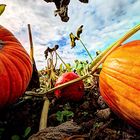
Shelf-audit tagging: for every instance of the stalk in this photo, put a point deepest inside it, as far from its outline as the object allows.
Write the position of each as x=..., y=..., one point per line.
x=67, y=67
x=44, y=114
x=86, y=49
x=31, y=44
x=117, y=43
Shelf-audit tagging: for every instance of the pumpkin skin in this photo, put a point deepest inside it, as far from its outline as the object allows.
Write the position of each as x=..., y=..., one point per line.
x=119, y=82
x=15, y=68
x=73, y=92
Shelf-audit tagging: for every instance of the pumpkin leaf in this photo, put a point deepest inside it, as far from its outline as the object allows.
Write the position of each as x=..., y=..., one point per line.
x=2, y=8
x=79, y=31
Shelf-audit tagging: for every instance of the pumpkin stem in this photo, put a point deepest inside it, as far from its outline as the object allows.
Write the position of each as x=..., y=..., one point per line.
x=2, y=43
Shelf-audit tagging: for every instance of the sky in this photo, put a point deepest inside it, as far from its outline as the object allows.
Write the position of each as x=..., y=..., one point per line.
x=104, y=22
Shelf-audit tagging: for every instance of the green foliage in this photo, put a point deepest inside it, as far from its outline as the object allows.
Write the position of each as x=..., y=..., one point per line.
x=15, y=137
x=63, y=69
x=2, y=8
x=62, y=116
x=27, y=131
x=81, y=67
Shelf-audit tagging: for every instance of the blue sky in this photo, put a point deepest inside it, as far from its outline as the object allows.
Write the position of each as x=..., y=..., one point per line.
x=104, y=22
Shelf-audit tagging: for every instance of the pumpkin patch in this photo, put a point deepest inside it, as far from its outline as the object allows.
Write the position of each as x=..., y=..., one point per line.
x=120, y=82
x=15, y=68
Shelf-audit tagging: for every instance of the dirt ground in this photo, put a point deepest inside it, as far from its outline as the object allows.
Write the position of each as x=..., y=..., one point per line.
x=91, y=115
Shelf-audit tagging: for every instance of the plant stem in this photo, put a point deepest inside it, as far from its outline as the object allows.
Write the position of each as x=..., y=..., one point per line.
x=44, y=114
x=117, y=43
x=86, y=49
x=31, y=43
x=67, y=67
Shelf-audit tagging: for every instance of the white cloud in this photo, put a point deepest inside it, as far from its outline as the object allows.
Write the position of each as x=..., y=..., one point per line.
x=104, y=22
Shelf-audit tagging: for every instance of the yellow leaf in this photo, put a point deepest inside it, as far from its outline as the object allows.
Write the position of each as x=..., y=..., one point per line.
x=73, y=38
x=2, y=8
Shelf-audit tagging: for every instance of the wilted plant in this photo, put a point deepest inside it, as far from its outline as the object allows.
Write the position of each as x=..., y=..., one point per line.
x=51, y=72
x=49, y=55
x=73, y=39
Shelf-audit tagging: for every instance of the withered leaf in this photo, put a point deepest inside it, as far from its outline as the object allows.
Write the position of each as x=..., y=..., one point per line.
x=73, y=38
x=79, y=31
x=84, y=1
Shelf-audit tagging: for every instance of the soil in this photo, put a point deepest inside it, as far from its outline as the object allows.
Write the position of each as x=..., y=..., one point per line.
x=21, y=120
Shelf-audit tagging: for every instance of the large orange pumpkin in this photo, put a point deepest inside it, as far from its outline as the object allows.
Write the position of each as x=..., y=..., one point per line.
x=120, y=82
x=15, y=68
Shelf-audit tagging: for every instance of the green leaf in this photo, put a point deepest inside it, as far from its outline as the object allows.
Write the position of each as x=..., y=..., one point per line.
x=15, y=137
x=59, y=116
x=69, y=68
x=61, y=67
x=2, y=8
x=80, y=66
x=68, y=113
x=27, y=131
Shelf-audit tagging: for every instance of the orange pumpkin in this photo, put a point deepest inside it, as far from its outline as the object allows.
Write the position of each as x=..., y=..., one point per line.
x=120, y=82
x=15, y=68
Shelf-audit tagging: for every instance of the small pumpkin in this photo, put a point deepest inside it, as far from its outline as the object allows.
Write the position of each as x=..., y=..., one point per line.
x=73, y=92
x=119, y=82
x=15, y=68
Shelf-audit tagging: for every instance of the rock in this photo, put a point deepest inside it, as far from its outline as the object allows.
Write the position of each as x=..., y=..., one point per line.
x=59, y=132
x=104, y=113
x=101, y=102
